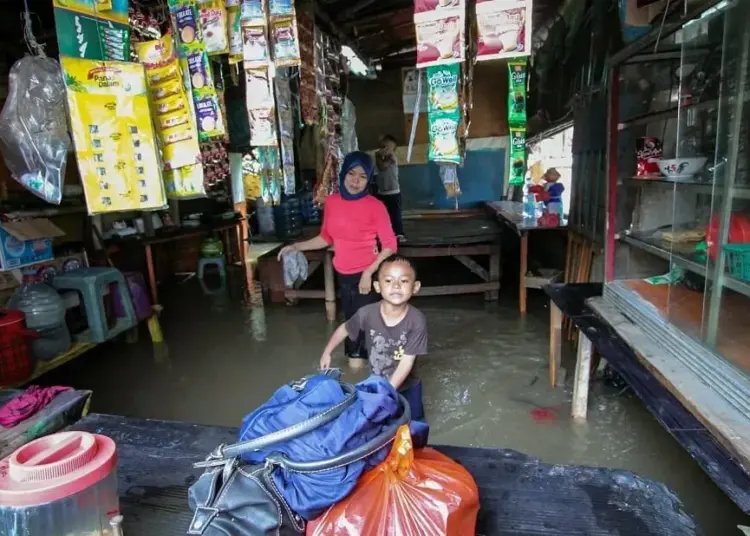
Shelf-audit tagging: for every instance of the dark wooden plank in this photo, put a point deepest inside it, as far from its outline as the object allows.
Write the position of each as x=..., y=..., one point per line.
x=451, y=231
x=450, y=290
x=518, y=494
x=473, y=266
x=450, y=251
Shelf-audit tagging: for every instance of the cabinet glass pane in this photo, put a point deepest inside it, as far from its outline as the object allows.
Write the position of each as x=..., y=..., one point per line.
x=727, y=308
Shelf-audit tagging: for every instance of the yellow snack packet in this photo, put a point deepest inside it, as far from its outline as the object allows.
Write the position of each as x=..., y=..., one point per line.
x=173, y=119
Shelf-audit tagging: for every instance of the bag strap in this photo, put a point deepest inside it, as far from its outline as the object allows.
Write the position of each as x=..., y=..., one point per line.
x=384, y=439
x=301, y=428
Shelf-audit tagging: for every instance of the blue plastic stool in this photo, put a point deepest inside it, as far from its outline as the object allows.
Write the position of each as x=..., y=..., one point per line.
x=92, y=283
x=216, y=261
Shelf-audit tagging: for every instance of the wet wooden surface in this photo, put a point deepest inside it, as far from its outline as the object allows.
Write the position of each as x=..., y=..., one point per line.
x=685, y=309
x=450, y=231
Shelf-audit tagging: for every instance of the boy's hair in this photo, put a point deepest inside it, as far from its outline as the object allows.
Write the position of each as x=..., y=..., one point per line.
x=395, y=258
x=385, y=138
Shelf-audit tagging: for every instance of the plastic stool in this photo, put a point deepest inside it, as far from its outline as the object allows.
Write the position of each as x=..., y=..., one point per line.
x=216, y=261
x=91, y=283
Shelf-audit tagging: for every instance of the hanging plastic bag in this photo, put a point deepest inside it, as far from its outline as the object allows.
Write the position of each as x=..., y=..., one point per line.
x=412, y=493
x=34, y=136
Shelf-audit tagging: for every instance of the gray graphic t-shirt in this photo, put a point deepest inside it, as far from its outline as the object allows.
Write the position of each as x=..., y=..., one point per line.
x=387, y=344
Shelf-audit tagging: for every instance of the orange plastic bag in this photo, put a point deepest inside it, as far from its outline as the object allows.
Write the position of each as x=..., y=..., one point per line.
x=412, y=493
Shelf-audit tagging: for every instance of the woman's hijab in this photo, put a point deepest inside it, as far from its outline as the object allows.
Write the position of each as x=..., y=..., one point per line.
x=352, y=160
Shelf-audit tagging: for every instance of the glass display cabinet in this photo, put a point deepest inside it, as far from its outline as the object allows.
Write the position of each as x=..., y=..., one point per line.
x=678, y=219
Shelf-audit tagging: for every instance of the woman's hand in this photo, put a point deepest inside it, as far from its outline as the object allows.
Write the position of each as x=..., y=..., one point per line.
x=291, y=248
x=365, y=283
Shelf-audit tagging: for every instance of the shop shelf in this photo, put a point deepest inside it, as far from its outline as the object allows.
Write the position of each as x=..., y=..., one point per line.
x=661, y=31
x=669, y=113
x=738, y=192
x=685, y=261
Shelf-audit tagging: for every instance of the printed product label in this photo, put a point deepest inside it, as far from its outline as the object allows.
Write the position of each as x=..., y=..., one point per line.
x=517, y=92
x=517, y=156
x=442, y=85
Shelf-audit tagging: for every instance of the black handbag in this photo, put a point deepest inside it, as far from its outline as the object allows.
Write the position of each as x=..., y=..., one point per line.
x=239, y=499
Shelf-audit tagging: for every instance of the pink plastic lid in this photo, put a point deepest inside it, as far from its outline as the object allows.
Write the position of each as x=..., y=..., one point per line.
x=54, y=467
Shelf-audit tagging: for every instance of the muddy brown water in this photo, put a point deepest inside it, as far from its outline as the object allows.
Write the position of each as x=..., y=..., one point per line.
x=485, y=384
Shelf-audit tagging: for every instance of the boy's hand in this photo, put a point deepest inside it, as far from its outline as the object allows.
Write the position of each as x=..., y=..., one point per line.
x=325, y=361
x=365, y=283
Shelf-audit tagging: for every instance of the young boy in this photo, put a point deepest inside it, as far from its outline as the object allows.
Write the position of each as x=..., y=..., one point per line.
x=395, y=332
x=386, y=179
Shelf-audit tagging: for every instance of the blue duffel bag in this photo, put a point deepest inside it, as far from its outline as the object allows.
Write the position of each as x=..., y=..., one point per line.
x=299, y=453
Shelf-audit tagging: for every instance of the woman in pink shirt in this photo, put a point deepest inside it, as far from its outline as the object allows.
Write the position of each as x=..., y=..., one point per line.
x=354, y=222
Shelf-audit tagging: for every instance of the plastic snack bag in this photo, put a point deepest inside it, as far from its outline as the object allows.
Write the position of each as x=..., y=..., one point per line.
x=442, y=82
x=213, y=17
x=517, y=92
x=517, y=156
x=412, y=493
x=234, y=24
x=281, y=7
x=33, y=129
x=449, y=178
x=285, y=41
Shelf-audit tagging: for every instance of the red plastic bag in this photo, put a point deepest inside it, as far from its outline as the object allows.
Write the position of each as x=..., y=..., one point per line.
x=412, y=493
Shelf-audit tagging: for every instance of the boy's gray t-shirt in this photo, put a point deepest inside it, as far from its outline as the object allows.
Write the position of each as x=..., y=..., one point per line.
x=386, y=178
x=386, y=344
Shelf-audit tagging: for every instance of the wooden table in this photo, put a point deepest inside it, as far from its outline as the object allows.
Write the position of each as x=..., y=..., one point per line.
x=224, y=228
x=511, y=214
x=430, y=234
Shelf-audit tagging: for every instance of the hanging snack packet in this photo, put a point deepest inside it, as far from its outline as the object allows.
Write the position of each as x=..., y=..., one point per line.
x=262, y=127
x=185, y=182
x=281, y=7
x=187, y=22
x=213, y=16
x=208, y=115
x=285, y=42
x=258, y=88
x=200, y=72
x=252, y=11
x=517, y=92
x=169, y=105
x=443, y=114
x=175, y=127
x=254, y=46
x=443, y=131
x=234, y=23
x=449, y=178
x=442, y=82
x=517, y=156
x=167, y=89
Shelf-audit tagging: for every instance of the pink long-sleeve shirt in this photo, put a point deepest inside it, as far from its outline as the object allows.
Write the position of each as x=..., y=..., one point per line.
x=352, y=227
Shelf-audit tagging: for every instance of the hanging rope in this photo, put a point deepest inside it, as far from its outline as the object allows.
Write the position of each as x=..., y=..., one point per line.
x=28, y=32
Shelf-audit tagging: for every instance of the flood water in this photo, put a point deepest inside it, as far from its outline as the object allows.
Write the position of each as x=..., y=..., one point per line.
x=485, y=384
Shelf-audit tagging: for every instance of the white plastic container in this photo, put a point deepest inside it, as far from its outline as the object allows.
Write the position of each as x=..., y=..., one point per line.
x=58, y=485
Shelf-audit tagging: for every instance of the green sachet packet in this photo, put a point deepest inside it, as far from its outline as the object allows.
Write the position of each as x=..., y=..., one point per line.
x=517, y=160
x=517, y=92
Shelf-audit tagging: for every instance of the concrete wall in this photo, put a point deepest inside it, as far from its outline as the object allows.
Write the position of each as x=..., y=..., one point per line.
x=380, y=109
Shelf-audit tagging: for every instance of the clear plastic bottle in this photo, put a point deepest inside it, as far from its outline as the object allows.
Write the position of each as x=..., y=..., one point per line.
x=45, y=314
x=529, y=207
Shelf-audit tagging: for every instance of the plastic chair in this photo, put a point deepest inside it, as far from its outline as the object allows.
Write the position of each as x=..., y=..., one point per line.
x=216, y=261
x=91, y=284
